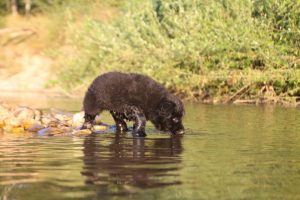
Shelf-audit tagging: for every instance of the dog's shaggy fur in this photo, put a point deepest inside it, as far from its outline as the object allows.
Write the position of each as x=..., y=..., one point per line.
x=133, y=97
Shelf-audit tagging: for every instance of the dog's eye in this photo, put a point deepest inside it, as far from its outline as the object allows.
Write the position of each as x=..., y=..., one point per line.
x=175, y=120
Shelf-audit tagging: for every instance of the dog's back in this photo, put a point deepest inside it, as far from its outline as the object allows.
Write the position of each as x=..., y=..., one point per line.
x=114, y=90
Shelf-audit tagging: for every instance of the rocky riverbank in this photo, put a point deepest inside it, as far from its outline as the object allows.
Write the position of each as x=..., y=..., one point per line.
x=26, y=120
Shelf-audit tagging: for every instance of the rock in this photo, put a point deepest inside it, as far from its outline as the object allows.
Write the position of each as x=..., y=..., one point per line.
x=69, y=122
x=98, y=120
x=46, y=120
x=78, y=120
x=3, y=112
x=7, y=129
x=37, y=115
x=82, y=132
x=23, y=113
x=49, y=121
x=26, y=123
x=50, y=131
x=17, y=130
x=13, y=122
x=97, y=128
x=44, y=131
x=24, y=119
x=1, y=123
x=61, y=117
x=58, y=131
x=35, y=127
x=65, y=129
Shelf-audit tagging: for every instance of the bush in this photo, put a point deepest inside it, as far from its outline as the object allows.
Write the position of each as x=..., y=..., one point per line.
x=179, y=41
x=284, y=20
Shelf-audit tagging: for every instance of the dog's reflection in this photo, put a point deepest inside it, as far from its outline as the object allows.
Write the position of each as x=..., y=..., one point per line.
x=138, y=162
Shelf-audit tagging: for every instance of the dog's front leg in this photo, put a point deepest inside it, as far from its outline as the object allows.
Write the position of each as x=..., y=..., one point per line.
x=120, y=123
x=139, y=125
x=135, y=114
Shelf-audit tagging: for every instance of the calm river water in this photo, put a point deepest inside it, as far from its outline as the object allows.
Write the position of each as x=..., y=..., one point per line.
x=228, y=152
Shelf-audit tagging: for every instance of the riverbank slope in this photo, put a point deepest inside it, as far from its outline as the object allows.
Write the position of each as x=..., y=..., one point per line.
x=212, y=52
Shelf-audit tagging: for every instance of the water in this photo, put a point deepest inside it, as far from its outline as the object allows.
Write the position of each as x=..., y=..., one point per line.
x=228, y=152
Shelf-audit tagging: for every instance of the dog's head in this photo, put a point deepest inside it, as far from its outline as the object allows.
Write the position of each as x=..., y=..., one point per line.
x=170, y=113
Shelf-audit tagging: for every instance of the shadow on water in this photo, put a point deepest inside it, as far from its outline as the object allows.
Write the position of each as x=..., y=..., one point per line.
x=122, y=166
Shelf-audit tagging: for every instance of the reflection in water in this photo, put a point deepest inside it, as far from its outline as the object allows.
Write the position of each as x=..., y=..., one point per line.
x=121, y=163
x=228, y=152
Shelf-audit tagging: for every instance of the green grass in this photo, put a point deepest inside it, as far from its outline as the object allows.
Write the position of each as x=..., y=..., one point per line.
x=198, y=49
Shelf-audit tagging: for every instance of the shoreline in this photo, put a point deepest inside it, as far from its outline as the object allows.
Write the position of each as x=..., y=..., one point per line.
x=45, y=97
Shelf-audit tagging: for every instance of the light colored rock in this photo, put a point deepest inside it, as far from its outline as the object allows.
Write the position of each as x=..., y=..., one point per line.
x=7, y=129
x=17, y=130
x=65, y=129
x=3, y=112
x=23, y=113
x=13, y=122
x=78, y=120
x=48, y=121
x=45, y=120
x=37, y=115
x=26, y=123
x=58, y=131
x=98, y=119
x=82, y=132
x=62, y=117
x=99, y=128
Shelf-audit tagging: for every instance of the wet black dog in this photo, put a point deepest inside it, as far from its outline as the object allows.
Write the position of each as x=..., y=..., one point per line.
x=133, y=97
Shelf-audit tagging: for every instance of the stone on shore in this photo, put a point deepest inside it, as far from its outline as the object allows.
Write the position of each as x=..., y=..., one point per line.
x=21, y=119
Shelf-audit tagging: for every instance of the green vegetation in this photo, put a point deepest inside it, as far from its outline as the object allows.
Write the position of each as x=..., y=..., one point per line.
x=219, y=50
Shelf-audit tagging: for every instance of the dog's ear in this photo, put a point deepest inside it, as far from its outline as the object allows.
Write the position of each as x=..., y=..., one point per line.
x=166, y=108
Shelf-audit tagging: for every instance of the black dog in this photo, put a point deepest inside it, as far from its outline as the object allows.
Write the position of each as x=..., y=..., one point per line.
x=136, y=98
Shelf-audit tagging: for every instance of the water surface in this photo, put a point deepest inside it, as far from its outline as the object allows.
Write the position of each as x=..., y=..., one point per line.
x=228, y=152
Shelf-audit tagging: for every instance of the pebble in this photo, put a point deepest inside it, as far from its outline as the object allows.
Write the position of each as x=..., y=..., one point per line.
x=35, y=127
x=82, y=132
x=50, y=131
x=99, y=128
